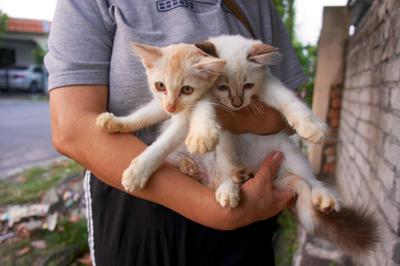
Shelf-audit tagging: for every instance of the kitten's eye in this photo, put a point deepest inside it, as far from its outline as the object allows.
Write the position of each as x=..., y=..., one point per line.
x=187, y=90
x=160, y=86
x=248, y=86
x=223, y=87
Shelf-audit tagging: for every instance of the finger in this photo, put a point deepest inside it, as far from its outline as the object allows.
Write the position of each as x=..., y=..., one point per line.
x=282, y=199
x=270, y=166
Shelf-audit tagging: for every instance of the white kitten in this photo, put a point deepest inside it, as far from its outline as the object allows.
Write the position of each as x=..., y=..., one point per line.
x=247, y=80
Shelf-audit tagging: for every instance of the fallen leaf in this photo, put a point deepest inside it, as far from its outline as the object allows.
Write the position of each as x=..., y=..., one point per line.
x=21, y=179
x=23, y=251
x=85, y=259
x=74, y=218
x=39, y=244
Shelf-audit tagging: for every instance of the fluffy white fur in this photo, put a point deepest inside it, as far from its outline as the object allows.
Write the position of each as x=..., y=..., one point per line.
x=247, y=62
x=245, y=77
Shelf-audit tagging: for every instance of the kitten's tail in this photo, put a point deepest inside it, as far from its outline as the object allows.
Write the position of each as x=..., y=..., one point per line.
x=353, y=230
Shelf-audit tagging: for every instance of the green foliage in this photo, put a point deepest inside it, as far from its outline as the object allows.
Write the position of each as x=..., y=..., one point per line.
x=3, y=22
x=287, y=12
x=285, y=243
x=307, y=54
x=39, y=54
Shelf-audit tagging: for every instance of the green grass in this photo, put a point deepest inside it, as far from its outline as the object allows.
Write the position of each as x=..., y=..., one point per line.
x=67, y=242
x=35, y=182
x=64, y=245
x=285, y=244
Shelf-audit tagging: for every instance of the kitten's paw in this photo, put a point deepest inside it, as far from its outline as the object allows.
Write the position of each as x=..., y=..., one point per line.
x=189, y=167
x=228, y=194
x=202, y=141
x=241, y=175
x=312, y=129
x=324, y=199
x=135, y=176
x=109, y=123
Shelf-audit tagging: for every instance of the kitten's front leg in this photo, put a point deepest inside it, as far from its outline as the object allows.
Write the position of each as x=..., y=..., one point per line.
x=298, y=115
x=149, y=114
x=204, y=128
x=228, y=174
x=145, y=164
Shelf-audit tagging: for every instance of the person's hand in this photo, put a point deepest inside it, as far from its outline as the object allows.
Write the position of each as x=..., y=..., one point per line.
x=258, y=119
x=260, y=199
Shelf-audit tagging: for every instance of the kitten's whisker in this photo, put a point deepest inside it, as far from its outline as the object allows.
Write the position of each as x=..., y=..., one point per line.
x=256, y=109
x=226, y=109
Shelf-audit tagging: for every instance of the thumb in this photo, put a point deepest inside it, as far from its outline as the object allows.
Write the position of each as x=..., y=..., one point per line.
x=270, y=166
x=283, y=199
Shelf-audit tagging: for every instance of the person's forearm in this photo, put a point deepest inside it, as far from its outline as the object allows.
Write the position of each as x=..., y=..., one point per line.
x=107, y=155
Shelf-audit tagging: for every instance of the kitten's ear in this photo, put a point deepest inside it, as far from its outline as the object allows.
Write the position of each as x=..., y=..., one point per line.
x=207, y=47
x=148, y=54
x=210, y=67
x=264, y=54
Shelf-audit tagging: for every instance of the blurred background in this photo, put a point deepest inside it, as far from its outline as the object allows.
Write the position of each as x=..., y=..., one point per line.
x=350, y=49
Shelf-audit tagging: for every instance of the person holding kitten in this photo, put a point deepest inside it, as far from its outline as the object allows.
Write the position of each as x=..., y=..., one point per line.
x=174, y=220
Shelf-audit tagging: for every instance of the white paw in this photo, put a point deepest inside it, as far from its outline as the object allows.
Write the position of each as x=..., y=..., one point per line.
x=202, y=141
x=109, y=123
x=312, y=129
x=228, y=194
x=324, y=199
x=135, y=176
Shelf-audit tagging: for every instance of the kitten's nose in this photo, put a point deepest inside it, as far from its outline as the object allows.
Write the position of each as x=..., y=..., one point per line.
x=171, y=107
x=237, y=101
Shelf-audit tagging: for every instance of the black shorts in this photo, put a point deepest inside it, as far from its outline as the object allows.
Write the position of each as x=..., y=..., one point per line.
x=125, y=230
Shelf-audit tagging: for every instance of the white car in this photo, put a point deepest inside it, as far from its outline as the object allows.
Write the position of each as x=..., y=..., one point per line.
x=31, y=78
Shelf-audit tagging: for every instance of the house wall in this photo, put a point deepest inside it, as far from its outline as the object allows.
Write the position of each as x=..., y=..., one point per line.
x=23, y=50
x=39, y=38
x=368, y=151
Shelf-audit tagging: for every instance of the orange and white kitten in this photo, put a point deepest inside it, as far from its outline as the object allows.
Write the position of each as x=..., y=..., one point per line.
x=179, y=77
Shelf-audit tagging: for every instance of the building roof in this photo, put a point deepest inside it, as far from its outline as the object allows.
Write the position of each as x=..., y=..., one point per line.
x=27, y=25
x=358, y=9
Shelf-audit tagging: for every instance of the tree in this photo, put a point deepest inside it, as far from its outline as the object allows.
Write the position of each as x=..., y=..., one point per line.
x=3, y=22
x=39, y=54
x=287, y=12
x=307, y=54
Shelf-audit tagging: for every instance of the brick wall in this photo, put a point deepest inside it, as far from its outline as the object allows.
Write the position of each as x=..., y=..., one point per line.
x=329, y=151
x=368, y=150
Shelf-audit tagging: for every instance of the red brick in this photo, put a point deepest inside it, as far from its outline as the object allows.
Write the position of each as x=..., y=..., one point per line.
x=335, y=93
x=336, y=103
x=334, y=122
x=329, y=168
x=330, y=151
x=334, y=113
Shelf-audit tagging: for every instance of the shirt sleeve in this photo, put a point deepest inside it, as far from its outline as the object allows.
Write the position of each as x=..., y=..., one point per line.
x=289, y=70
x=80, y=44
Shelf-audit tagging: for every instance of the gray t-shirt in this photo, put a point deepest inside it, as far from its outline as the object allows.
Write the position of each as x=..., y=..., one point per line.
x=89, y=40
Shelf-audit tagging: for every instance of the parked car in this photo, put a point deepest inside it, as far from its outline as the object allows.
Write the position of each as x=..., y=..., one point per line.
x=30, y=78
